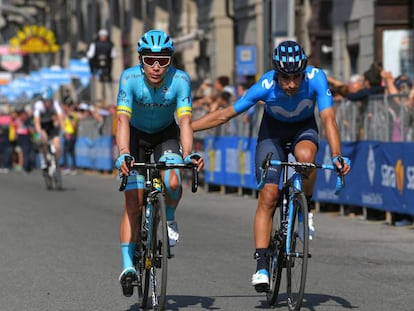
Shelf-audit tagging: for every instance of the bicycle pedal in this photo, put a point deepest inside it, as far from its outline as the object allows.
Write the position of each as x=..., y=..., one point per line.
x=262, y=288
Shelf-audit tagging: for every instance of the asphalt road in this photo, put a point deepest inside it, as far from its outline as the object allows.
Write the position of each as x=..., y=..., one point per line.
x=60, y=252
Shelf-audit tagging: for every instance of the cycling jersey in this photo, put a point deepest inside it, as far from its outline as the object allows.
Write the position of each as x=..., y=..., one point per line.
x=47, y=116
x=152, y=109
x=280, y=106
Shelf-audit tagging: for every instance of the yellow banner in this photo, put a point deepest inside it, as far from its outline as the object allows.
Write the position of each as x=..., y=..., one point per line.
x=34, y=39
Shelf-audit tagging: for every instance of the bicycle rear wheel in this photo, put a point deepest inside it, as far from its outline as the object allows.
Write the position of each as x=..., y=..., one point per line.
x=277, y=257
x=297, y=260
x=156, y=261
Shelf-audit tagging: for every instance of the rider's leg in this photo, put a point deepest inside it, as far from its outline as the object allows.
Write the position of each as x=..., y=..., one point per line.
x=131, y=219
x=56, y=142
x=172, y=182
x=263, y=222
x=305, y=151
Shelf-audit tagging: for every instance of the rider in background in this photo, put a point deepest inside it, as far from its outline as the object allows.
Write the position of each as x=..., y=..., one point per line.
x=48, y=121
x=152, y=98
x=290, y=92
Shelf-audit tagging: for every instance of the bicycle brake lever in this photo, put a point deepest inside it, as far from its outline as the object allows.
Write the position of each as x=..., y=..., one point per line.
x=194, y=184
x=124, y=180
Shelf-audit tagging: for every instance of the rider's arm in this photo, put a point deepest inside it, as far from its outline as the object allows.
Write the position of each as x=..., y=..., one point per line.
x=186, y=134
x=37, y=125
x=214, y=119
x=331, y=128
x=122, y=133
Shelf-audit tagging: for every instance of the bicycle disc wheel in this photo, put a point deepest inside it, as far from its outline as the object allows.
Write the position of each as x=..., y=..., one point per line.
x=276, y=248
x=297, y=261
x=158, y=275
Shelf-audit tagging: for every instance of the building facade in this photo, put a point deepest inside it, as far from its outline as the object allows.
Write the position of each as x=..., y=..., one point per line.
x=342, y=36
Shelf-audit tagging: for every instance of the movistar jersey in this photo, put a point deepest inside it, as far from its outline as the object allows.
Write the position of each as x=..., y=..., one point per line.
x=152, y=109
x=314, y=89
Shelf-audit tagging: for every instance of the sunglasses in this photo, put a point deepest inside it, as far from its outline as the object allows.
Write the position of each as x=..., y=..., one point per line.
x=163, y=61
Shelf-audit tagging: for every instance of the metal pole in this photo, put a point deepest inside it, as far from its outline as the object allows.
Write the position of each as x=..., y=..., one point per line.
x=291, y=19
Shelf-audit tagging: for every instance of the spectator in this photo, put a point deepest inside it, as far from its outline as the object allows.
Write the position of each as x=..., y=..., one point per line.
x=399, y=106
x=221, y=85
x=25, y=130
x=100, y=53
x=70, y=136
x=67, y=98
x=5, y=145
x=203, y=96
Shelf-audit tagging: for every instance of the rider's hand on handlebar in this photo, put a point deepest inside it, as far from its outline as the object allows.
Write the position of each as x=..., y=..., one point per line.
x=121, y=165
x=195, y=158
x=342, y=163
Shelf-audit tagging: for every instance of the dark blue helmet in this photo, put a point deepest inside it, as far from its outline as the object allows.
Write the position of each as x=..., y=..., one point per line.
x=289, y=58
x=155, y=41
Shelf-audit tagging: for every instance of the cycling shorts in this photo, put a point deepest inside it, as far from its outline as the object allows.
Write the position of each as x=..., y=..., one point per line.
x=165, y=142
x=280, y=138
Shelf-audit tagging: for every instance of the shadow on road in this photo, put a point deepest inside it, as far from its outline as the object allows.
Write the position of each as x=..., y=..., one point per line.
x=311, y=301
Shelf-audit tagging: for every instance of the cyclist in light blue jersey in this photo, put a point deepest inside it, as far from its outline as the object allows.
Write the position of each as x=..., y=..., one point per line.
x=291, y=92
x=152, y=98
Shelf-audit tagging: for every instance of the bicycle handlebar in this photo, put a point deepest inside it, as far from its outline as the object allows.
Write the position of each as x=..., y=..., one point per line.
x=267, y=162
x=161, y=166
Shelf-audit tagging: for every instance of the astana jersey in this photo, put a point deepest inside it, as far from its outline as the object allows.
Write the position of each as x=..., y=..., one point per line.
x=301, y=106
x=153, y=109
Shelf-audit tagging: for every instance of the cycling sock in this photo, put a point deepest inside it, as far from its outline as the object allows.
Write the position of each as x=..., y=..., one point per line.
x=261, y=255
x=127, y=252
x=309, y=202
x=170, y=212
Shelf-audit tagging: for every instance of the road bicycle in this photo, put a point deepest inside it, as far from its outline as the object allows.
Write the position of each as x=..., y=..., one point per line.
x=289, y=243
x=153, y=249
x=51, y=174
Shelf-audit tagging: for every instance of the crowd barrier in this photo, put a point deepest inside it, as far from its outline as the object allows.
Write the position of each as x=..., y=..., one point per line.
x=382, y=175
x=95, y=154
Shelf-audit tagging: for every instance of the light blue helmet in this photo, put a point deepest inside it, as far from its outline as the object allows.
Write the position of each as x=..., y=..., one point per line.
x=47, y=94
x=155, y=41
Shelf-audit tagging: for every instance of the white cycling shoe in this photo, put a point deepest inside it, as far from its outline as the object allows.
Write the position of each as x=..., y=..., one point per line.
x=260, y=280
x=173, y=234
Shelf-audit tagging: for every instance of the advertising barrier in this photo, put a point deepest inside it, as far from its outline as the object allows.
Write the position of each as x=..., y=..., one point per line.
x=382, y=174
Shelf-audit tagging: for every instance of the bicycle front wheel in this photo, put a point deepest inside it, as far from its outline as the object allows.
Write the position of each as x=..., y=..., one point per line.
x=156, y=263
x=277, y=257
x=297, y=259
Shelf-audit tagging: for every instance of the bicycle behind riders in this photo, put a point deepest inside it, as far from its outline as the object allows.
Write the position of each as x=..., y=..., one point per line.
x=48, y=121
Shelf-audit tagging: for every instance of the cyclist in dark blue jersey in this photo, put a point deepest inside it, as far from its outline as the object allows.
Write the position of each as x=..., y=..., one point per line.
x=291, y=92
x=151, y=97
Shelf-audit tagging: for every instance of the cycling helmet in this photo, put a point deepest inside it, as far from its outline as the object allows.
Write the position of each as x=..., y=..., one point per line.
x=47, y=94
x=155, y=41
x=289, y=58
